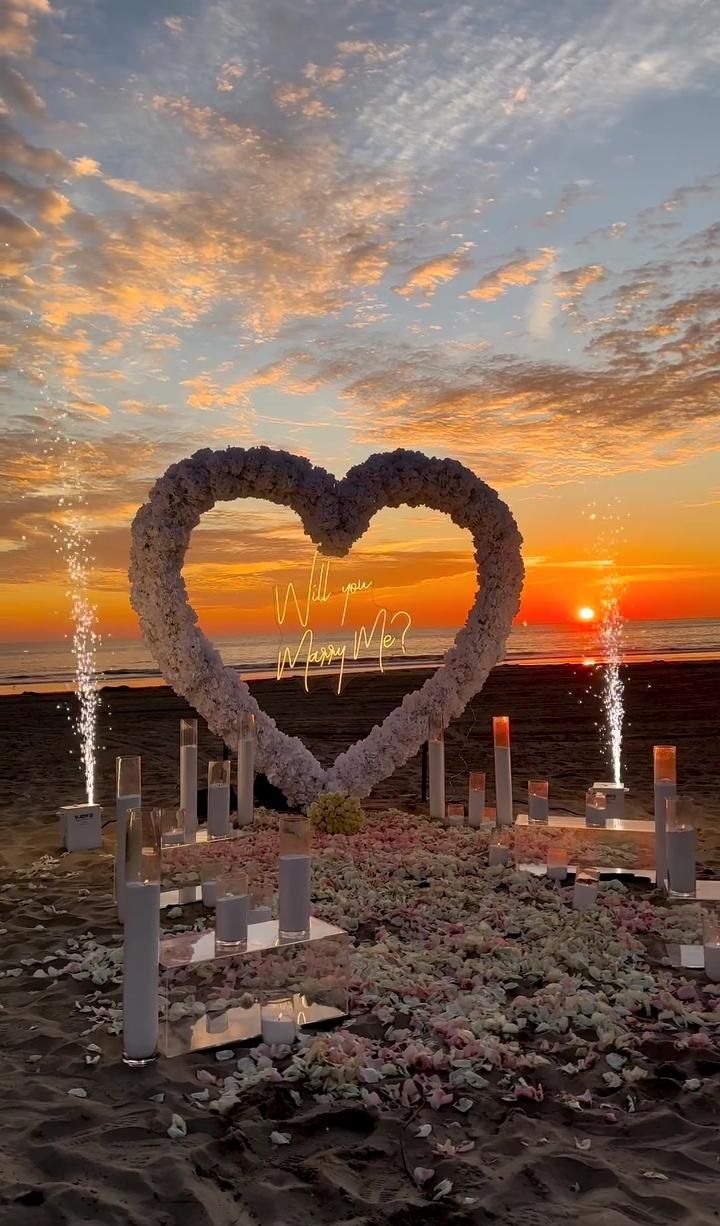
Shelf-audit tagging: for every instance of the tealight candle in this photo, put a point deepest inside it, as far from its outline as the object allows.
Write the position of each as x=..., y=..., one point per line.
x=557, y=863
x=711, y=944
x=585, y=891
x=246, y=768
x=538, y=801
x=218, y=798
x=681, y=843
x=665, y=787
x=595, y=808
x=277, y=1020
x=476, y=798
x=436, y=766
x=498, y=854
x=455, y=815
x=188, y=775
x=231, y=912
x=503, y=770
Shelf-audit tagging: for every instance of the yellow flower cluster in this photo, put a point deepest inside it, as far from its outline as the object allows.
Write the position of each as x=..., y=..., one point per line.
x=336, y=813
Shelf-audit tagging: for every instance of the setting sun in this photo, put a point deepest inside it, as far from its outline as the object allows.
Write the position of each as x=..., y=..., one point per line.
x=586, y=614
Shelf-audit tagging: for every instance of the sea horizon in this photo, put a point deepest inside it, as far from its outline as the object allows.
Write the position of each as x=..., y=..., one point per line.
x=49, y=666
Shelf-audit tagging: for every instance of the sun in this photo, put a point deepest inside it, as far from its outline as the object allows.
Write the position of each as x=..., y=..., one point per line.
x=586, y=614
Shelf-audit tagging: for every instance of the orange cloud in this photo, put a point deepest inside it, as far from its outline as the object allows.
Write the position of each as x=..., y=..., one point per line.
x=521, y=271
x=425, y=278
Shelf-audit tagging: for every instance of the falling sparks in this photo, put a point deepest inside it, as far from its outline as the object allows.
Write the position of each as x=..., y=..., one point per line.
x=611, y=637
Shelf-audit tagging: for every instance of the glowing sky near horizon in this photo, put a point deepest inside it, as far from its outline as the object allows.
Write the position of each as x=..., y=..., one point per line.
x=485, y=231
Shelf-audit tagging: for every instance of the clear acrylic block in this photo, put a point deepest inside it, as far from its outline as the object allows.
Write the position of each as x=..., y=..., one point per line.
x=619, y=847
x=212, y=998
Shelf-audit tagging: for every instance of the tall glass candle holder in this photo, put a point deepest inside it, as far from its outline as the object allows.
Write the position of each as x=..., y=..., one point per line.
x=595, y=808
x=172, y=826
x=218, y=804
x=128, y=795
x=711, y=943
x=681, y=843
x=189, y=774
x=210, y=871
x=455, y=815
x=557, y=862
x=665, y=786
x=246, y=768
x=295, y=875
x=503, y=770
x=231, y=912
x=538, y=801
x=476, y=798
x=141, y=938
x=436, y=764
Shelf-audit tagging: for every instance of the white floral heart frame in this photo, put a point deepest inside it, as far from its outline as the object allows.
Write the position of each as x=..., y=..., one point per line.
x=334, y=515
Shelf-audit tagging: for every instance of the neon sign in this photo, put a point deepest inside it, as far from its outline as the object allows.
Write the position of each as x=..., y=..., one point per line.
x=386, y=633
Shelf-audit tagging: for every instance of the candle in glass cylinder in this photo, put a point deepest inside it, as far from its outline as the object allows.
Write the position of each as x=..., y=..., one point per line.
x=711, y=944
x=218, y=804
x=231, y=912
x=476, y=798
x=127, y=796
x=436, y=765
x=209, y=874
x=189, y=775
x=681, y=843
x=141, y=938
x=585, y=891
x=665, y=781
x=538, y=801
x=595, y=808
x=557, y=863
x=277, y=1020
x=455, y=815
x=246, y=768
x=498, y=854
x=295, y=878
x=503, y=770
x=172, y=826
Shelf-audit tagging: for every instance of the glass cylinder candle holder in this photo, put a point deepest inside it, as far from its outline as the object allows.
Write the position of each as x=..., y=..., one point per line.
x=128, y=795
x=172, y=826
x=246, y=768
x=455, y=815
x=295, y=876
x=278, y=1020
x=128, y=775
x=189, y=774
x=476, y=798
x=209, y=874
x=141, y=938
x=711, y=943
x=503, y=770
x=436, y=765
x=231, y=911
x=538, y=801
x=218, y=798
x=501, y=731
x=681, y=846
x=585, y=890
x=665, y=764
x=557, y=862
x=498, y=853
x=595, y=808
x=260, y=903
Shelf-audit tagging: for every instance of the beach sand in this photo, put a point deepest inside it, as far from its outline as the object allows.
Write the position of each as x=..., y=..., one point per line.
x=106, y=1157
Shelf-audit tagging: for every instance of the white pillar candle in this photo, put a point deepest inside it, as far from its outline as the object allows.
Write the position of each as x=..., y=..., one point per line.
x=141, y=952
x=476, y=799
x=123, y=805
x=218, y=811
x=260, y=915
x=246, y=780
x=277, y=1023
x=584, y=895
x=681, y=861
x=231, y=920
x=498, y=854
x=664, y=791
x=188, y=788
x=436, y=776
x=294, y=896
x=712, y=962
x=503, y=770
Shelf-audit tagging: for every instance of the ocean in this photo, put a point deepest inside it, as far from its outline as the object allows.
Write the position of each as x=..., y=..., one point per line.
x=49, y=666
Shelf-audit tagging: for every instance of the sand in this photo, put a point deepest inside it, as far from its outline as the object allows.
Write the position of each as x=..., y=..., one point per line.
x=106, y=1157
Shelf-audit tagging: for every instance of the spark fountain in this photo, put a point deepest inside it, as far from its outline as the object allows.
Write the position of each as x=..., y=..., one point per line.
x=611, y=635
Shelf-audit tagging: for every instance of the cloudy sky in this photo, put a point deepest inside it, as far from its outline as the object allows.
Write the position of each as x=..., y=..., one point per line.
x=482, y=230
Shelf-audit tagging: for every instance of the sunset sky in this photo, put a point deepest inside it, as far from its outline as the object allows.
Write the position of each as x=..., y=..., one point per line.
x=481, y=230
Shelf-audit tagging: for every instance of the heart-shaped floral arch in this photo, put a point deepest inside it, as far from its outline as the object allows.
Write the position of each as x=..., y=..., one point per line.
x=334, y=515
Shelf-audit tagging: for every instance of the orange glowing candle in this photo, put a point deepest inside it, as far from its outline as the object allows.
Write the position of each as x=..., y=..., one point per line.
x=501, y=731
x=665, y=763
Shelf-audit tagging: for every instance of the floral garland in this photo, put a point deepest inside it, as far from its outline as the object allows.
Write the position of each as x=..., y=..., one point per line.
x=334, y=515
